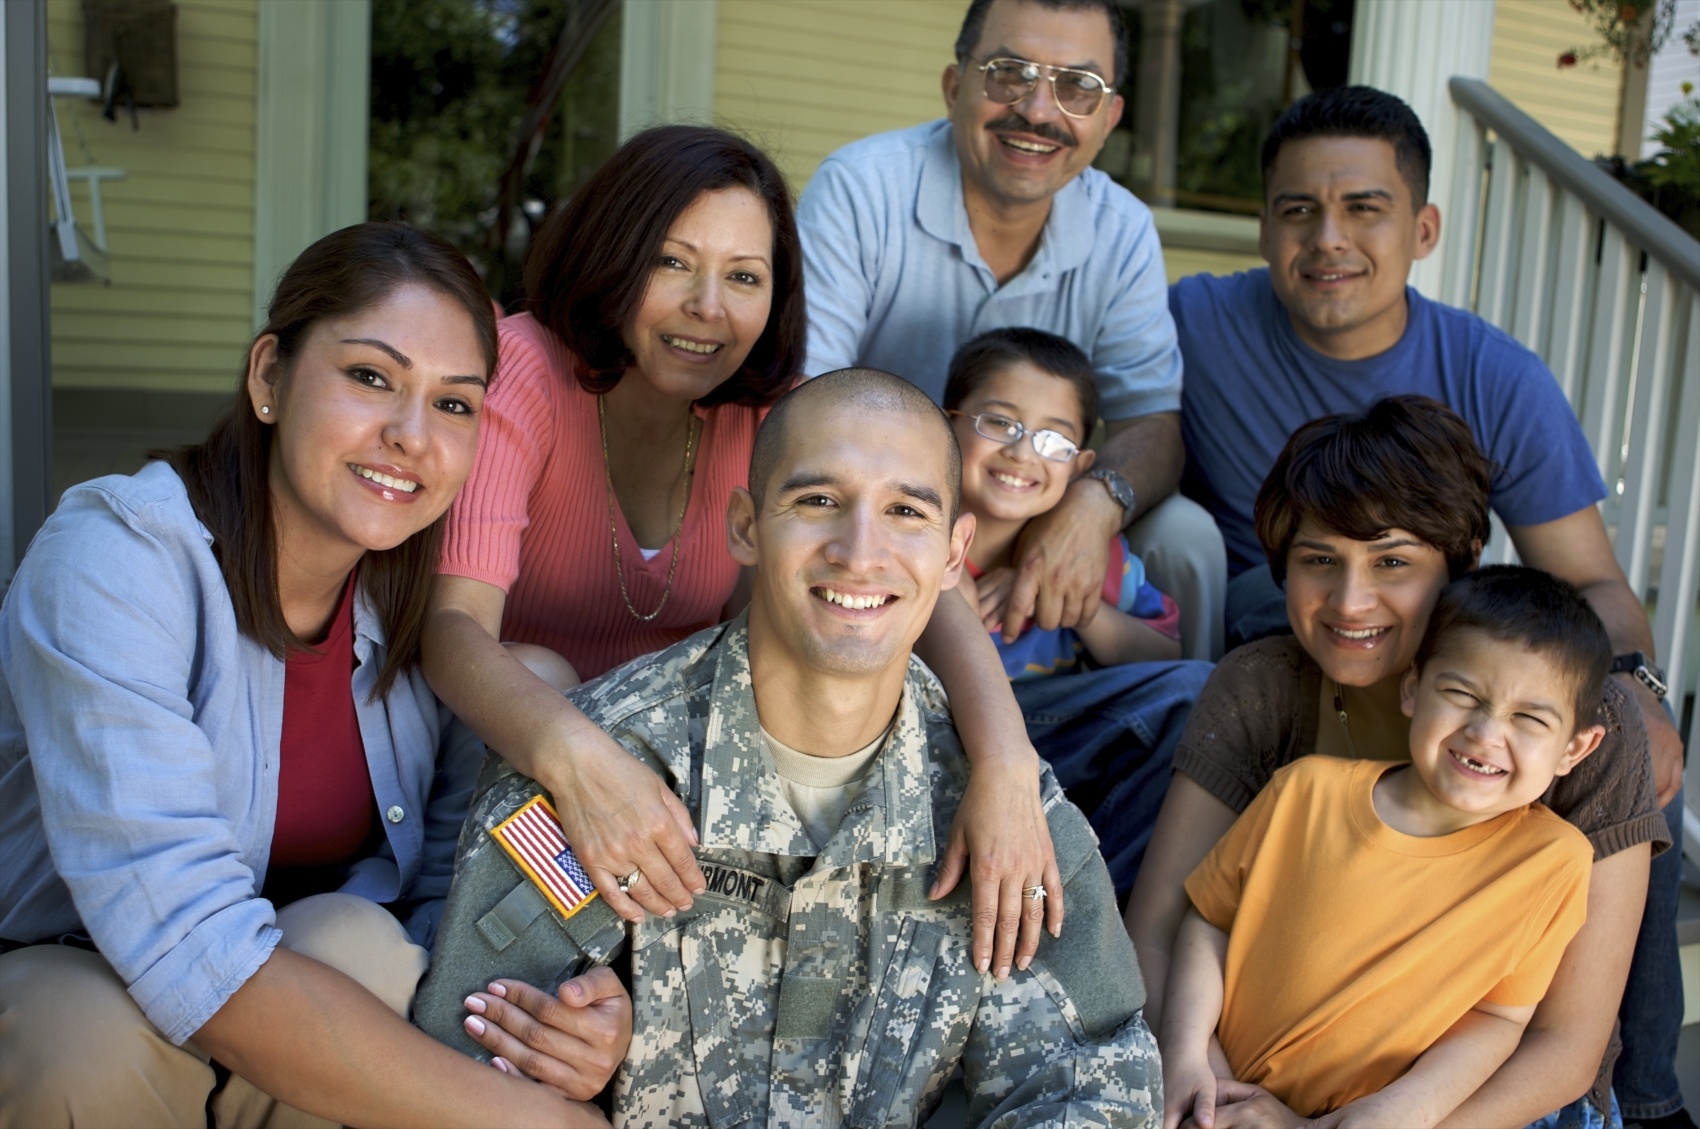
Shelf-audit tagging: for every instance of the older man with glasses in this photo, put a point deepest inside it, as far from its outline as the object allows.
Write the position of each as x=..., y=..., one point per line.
x=916, y=241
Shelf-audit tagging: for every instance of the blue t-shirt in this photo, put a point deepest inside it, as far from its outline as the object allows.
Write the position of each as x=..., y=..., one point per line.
x=1250, y=383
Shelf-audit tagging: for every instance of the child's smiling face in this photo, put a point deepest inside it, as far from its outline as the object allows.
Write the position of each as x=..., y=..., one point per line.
x=1491, y=724
x=1010, y=482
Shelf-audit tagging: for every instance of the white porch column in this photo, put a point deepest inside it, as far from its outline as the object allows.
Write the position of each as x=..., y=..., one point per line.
x=1411, y=49
x=26, y=392
x=312, y=108
x=666, y=63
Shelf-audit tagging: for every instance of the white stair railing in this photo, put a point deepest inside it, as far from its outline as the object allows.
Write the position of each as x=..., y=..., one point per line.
x=1607, y=291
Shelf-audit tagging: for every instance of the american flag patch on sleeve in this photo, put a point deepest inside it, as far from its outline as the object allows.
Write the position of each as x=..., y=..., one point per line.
x=532, y=837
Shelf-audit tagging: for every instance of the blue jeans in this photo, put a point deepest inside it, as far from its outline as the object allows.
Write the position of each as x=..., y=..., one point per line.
x=1651, y=1012
x=1581, y=1114
x=1256, y=608
x=1110, y=737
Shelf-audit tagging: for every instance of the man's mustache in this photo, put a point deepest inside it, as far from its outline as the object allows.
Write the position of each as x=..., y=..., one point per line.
x=1014, y=123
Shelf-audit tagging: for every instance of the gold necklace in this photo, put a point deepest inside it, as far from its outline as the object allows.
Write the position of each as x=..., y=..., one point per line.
x=613, y=526
x=1345, y=722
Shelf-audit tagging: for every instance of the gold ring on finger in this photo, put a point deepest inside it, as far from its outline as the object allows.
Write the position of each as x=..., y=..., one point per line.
x=1034, y=893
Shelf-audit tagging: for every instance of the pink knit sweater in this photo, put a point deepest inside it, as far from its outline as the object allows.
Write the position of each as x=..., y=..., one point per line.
x=533, y=517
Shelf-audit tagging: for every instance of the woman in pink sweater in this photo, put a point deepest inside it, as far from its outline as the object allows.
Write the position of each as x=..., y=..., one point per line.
x=665, y=314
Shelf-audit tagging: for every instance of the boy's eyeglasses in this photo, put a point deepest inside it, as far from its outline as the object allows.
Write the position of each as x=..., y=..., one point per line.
x=1078, y=93
x=1047, y=444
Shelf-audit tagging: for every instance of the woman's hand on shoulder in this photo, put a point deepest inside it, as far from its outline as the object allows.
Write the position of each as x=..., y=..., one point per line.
x=571, y=1042
x=1000, y=824
x=1002, y=839
x=619, y=816
x=623, y=820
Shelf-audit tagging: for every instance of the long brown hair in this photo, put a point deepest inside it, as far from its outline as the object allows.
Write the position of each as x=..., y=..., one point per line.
x=589, y=266
x=227, y=475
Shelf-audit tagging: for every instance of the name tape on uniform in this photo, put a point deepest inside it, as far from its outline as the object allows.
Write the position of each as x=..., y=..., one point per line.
x=745, y=887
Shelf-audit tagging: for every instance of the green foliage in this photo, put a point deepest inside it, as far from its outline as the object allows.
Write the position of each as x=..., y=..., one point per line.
x=1217, y=164
x=449, y=86
x=1241, y=63
x=1669, y=179
x=1678, y=165
x=1230, y=94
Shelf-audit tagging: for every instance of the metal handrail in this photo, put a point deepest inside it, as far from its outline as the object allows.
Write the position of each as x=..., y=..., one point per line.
x=1645, y=226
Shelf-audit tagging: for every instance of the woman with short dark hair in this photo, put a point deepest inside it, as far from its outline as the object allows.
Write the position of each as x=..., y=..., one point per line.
x=1335, y=472
x=227, y=827
x=1366, y=518
x=665, y=313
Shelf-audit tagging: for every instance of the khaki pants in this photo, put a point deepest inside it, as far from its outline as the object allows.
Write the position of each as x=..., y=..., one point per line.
x=1184, y=557
x=76, y=1050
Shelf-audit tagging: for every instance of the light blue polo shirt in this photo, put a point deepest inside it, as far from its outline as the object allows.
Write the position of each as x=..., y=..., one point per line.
x=896, y=282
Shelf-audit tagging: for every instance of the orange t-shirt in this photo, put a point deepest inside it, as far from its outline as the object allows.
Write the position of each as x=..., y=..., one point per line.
x=1352, y=947
x=533, y=517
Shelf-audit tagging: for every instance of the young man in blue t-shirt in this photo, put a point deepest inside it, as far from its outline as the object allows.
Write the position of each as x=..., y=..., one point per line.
x=1331, y=326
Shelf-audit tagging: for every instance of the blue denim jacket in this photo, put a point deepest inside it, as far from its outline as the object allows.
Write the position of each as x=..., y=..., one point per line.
x=139, y=734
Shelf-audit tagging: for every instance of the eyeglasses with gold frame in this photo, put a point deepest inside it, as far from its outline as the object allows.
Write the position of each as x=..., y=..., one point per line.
x=1077, y=93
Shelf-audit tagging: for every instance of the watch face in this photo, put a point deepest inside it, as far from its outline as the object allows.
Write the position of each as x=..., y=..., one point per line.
x=1116, y=485
x=1647, y=673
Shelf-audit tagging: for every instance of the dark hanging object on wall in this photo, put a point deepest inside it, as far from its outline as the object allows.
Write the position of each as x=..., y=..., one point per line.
x=131, y=47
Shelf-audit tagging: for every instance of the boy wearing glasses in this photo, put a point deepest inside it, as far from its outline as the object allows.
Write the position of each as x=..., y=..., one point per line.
x=1022, y=401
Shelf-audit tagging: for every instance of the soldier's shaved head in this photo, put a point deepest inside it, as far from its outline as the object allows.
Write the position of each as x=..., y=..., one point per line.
x=870, y=391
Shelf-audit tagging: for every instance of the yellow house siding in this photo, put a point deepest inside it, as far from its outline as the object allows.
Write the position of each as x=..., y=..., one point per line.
x=1178, y=262
x=803, y=77
x=180, y=227
x=1579, y=105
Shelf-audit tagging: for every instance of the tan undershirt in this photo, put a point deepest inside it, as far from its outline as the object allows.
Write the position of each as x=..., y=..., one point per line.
x=821, y=789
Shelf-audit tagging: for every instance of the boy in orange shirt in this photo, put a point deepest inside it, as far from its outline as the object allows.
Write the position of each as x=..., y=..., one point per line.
x=1370, y=938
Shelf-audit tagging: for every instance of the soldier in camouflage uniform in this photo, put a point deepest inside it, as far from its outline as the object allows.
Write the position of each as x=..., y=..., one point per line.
x=814, y=983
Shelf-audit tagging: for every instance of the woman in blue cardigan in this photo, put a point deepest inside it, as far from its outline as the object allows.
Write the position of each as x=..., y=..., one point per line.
x=226, y=818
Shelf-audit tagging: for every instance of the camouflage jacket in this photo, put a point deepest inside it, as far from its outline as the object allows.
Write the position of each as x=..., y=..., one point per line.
x=808, y=989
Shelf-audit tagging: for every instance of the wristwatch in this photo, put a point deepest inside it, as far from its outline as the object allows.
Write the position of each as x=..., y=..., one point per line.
x=1118, y=488
x=1646, y=671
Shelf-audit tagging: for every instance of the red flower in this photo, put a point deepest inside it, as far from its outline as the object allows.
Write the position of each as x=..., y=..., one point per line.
x=1568, y=59
x=1627, y=13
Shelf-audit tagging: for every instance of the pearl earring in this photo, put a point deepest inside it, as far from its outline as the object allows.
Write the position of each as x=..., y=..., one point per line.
x=265, y=410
